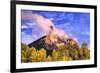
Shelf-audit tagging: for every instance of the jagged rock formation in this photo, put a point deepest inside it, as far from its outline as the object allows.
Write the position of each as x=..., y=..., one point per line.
x=53, y=41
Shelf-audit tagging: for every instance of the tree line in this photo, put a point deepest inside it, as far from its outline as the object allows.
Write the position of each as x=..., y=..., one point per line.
x=62, y=53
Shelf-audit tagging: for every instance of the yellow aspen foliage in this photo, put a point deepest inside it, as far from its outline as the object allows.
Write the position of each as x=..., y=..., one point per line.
x=23, y=56
x=55, y=55
x=81, y=52
x=70, y=59
x=49, y=58
x=42, y=53
x=33, y=54
x=61, y=52
x=64, y=58
x=86, y=53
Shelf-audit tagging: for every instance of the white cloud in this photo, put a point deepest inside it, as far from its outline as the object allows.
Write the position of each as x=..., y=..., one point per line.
x=24, y=26
x=28, y=25
x=42, y=22
x=31, y=24
x=51, y=19
x=85, y=33
x=34, y=36
x=64, y=25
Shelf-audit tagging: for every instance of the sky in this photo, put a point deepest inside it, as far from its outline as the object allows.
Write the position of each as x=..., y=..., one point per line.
x=34, y=24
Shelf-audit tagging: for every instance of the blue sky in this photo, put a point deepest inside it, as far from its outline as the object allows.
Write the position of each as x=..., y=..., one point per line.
x=76, y=25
